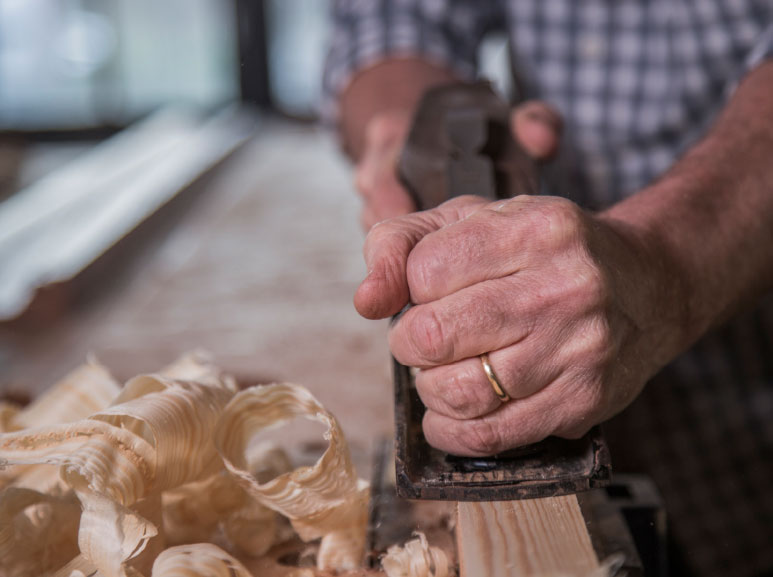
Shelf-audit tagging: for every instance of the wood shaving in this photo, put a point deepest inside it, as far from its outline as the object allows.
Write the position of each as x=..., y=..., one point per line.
x=199, y=560
x=415, y=559
x=325, y=500
x=87, y=389
x=137, y=481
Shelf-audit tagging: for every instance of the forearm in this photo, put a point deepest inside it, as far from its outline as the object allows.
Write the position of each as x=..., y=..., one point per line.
x=392, y=87
x=709, y=220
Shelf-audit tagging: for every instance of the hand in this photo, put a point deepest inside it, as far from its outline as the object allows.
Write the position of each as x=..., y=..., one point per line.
x=535, y=125
x=563, y=301
x=376, y=175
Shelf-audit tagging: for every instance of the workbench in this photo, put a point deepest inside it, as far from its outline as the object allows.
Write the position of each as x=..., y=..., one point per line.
x=259, y=269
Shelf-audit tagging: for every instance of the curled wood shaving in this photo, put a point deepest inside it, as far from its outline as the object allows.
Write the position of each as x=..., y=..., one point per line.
x=192, y=512
x=77, y=567
x=111, y=535
x=198, y=366
x=415, y=559
x=37, y=531
x=100, y=484
x=252, y=529
x=158, y=437
x=199, y=560
x=177, y=419
x=87, y=389
x=325, y=500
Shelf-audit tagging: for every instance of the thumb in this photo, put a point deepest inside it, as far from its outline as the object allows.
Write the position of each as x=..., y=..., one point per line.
x=537, y=126
x=385, y=291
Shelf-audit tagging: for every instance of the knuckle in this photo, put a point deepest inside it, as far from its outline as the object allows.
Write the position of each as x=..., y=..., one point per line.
x=591, y=287
x=427, y=334
x=564, y=219
x=599, y=346
x=481, y=437
x=558, y=221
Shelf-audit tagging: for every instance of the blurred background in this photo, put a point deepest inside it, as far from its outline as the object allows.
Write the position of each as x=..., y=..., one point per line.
x=81, y=64
x=165, y=186
x=76, y=71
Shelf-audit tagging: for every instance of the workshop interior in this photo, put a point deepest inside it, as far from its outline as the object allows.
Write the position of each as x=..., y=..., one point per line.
x=176, y=211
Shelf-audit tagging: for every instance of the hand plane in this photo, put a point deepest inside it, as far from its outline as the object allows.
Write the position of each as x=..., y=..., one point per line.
x=460, y=143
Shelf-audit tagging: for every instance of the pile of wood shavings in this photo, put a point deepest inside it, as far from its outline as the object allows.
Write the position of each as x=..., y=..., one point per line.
x=103, y=480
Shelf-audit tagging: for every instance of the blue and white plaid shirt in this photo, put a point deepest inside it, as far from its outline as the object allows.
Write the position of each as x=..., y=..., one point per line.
x=637, y=81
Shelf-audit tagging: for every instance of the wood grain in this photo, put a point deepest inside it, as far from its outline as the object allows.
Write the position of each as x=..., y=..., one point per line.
x=530, y=537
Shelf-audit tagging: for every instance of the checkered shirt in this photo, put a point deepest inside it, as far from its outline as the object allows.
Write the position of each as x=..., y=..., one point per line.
x=637, y=81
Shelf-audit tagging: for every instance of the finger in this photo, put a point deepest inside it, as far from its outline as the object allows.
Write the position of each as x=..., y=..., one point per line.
x=461, y=390
x=559, y=409
x=500, y=239
x=537, y=126
x=514, y=424
x=377, y=184
x=385, y=290
x=486, y=317
x=390, y=202
x=456, y=390
x=568, y=407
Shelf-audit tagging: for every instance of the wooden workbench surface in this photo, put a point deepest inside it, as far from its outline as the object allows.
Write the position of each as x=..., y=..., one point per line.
x=260, y=271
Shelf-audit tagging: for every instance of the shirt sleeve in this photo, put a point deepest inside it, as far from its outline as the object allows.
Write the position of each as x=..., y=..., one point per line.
x=364, y=32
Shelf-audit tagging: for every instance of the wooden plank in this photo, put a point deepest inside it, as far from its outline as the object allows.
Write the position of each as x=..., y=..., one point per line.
x=95, y=172
x=536, y=537
x=55, y=229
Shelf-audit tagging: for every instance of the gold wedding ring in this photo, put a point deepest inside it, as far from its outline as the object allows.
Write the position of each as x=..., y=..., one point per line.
x=492, y=378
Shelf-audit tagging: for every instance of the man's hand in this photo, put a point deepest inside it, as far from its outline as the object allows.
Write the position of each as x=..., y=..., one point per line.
x=376, y=181
x=560, y=299
x=534, y=124
x=576, y=310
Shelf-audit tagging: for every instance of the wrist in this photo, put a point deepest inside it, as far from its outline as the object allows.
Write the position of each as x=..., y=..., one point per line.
x=655, y=288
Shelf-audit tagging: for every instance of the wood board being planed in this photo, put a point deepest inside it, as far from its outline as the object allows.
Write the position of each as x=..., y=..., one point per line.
x=535, y=537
